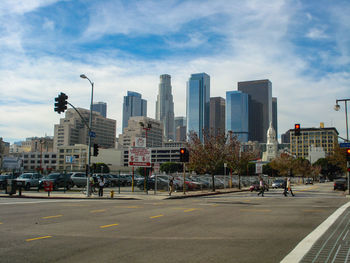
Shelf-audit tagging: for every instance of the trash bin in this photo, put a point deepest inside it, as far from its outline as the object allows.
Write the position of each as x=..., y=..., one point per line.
x=11, y=187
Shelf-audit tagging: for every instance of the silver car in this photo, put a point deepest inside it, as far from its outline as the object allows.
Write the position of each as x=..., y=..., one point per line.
x=29, y=180
x=79, y=179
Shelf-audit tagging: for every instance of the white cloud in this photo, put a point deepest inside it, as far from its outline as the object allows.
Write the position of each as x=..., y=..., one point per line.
x=317, y=33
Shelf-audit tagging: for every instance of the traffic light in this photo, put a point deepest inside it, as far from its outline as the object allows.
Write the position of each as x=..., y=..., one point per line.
x=348, y=154
x=184, y=155
x=95, y=149
x=61, y=103
x=297, y=129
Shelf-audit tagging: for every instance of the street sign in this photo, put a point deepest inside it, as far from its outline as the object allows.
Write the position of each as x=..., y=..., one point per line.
x=258, y=168
x=344, y=145
x=70, y=159
x=140, y=142
x=156, y=167
x=92, y=134
x=140, y=157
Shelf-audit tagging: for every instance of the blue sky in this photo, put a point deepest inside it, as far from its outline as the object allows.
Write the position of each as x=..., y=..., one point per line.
x=303, y=47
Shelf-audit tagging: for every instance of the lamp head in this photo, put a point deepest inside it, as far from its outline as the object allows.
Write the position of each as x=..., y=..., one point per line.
x=83, y=76
x=337, y=107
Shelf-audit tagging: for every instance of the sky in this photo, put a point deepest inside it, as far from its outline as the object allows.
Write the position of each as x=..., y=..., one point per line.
x=302, y=47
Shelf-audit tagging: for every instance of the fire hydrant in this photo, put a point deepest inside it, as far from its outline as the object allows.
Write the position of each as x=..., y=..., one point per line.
x=112, y=194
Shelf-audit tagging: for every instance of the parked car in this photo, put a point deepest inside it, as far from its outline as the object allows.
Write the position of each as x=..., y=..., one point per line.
x=58, y=180
x=341, y=184
x=256, y=187
x=29, y=180
x=309, y=181
x=279, y=183
x=79, y=179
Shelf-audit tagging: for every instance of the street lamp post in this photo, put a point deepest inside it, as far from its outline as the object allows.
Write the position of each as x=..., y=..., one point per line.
x=90, y=126
x=337, y=107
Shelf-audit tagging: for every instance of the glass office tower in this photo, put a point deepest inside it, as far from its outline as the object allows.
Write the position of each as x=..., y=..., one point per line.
x=237, y=114
x=260, y=107
x=100, y=107
x=165, y=107
x=133, y=105
x=198, y=104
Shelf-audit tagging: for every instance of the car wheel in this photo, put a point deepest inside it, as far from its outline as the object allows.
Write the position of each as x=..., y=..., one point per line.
x=27, y=187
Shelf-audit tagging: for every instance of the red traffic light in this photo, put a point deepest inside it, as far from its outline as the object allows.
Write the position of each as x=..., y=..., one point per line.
x=297, y=126
x=182, y=151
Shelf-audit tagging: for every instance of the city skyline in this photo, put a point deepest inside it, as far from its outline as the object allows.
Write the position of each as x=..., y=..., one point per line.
x=302, y=48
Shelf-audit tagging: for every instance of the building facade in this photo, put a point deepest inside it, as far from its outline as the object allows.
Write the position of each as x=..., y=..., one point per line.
x=133, y=105
x=275, y=115
x=100, y=107
x=237, y=114
x=326, y=138
x=217, y=115
x=36, y=161
x=260, y=107
x=72, y=130
x=165, y=107
x=72, y=158
x=152, y=130
x=198, y=104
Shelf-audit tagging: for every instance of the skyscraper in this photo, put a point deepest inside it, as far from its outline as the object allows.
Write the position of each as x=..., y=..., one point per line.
x=198, y=104
x=180, y=128
x=274, y=115
x=165, y=107
x=133, y=105
x=217, y=115
x=237, y=114
x=260, y=107
x=100, y=107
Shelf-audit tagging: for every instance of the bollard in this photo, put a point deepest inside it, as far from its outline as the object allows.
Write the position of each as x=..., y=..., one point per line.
x=112, y=194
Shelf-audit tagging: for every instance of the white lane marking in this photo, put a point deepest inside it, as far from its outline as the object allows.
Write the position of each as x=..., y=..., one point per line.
x=305, y=245
x=47, y=201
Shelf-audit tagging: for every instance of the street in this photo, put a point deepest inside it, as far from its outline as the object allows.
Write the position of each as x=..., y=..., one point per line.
x=236, y=227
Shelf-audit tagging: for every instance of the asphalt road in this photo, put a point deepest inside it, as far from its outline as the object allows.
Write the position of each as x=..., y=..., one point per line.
x=239, y=227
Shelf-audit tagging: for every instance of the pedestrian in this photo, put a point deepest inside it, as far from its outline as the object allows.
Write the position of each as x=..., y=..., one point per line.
x=261, y=187
x=101, y=184
x=285, y=190
x=289, y=188
x=171, y=184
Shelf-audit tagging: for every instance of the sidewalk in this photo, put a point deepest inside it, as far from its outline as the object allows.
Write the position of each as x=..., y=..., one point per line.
x=123, y=195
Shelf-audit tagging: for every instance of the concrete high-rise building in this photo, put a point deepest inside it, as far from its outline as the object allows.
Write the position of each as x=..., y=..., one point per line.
x=152, y=127
x=217, y=115
x=237, y=114
x=198, y=104
x=180, y=121
x=274, y=115
x=100, y=107
x=133, y=105
x=71, y=130
x=165, y=107
x=260, y=107
x=180, y=129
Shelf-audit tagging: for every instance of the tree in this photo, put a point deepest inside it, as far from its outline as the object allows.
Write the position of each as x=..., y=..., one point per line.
x=282, y=164
x=171, y=167
x=207, y=156
x=328, y=169
x=267, y=169
x=302, y=167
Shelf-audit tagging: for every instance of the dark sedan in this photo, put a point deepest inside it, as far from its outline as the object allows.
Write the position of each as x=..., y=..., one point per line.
x=341, y=184
x=58, y=180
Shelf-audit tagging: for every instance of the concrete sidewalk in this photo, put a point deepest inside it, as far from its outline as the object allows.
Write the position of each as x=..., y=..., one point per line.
x=123, y=195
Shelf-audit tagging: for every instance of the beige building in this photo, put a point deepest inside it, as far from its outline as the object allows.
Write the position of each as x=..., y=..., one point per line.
x=72, y=130
x=72, y=158
x=325, y=138
x=152, y=127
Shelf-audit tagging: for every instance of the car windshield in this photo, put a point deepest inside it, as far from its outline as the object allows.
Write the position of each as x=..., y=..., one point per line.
x=53, y=176
x=25, y=176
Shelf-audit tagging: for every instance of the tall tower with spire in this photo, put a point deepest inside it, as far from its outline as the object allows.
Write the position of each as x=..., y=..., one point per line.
x=271, y=145
x=165, y=107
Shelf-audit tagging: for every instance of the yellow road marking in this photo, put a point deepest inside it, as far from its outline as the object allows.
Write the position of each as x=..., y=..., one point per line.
x=156, y=216
x=74, y=205
x=134, y=206
x=48, y=217
x=246, y=200
x=108, y=225
x=215, y=205
x=37, y=238
x=98, y=211
x=255, y=210
x=190, y=210
x=310, y=188
x=0, y=223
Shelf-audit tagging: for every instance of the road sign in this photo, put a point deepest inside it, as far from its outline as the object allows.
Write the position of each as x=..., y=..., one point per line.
x=344, y=145
x=70, y=159
x=92, y=134
x=140, y=157
x=258, y=168
x=156, y=167
x=140, y=142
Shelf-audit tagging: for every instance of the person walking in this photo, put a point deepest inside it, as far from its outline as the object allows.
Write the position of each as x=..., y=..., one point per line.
x=289, y=188
x=261, y=187
x=285, y=190
x=101, y=184
x=171, y=184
